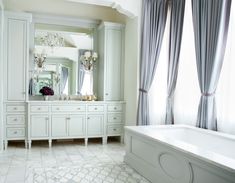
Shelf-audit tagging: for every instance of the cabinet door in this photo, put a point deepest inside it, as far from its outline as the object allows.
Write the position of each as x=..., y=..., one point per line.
x=59, y=126
x=76, y=125
x=113, y=64
x=39, y=126
x=95, y=125
x=16, y=57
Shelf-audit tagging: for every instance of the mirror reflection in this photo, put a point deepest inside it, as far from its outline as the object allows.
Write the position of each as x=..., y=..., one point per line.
x=64, y=60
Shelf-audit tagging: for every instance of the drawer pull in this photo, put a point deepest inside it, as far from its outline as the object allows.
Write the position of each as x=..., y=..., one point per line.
x=15, y=119
x=114, y=129
x=106, y=94
x=88, y=118
x=68, y=118
x=115, y=108
x=114, y=118
x=39, y=108
x=15, y=108
x=15, y=132
x=57, y=108
x=78, y=108
x=47, y=118
x=95, y=108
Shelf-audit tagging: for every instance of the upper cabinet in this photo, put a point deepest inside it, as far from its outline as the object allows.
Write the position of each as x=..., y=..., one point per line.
x=111, y=44
x=16, y=55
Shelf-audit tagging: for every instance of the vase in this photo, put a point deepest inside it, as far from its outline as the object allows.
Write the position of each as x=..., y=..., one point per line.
x=46, y=97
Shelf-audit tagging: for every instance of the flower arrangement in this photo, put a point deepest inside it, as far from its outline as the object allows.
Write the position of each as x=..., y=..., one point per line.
x=46, y=91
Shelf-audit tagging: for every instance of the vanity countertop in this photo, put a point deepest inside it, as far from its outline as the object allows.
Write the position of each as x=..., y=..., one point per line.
x=72, y=102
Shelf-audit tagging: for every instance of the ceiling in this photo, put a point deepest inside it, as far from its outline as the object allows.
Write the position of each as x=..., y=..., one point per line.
x=66, y=8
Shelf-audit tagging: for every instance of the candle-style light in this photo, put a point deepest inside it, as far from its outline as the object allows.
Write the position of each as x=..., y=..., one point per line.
x=39, y=59
x=88, y=60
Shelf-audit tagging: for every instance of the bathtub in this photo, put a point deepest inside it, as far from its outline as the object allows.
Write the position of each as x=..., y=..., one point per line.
x=180, y=154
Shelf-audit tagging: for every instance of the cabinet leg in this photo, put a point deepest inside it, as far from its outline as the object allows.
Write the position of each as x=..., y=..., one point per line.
x=104, y=140
x=29, y=144
x=5, y=144
x=50, y=143
x=86, y=141
x=26, y=144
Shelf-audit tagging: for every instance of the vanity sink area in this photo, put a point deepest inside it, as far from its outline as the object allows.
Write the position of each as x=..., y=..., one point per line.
x=64, y=98
x=51, y=120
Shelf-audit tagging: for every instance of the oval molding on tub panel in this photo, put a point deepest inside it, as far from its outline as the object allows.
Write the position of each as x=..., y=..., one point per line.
x=175, y=168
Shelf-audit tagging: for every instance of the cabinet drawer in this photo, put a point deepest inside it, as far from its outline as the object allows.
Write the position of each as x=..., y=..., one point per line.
x=15, y=108
x=15, y=120
x=114, y=118
x=71, y=108
x=115, y=108
x=114, y=129
x=15, y=132
x=39, y=108
x=95, y=108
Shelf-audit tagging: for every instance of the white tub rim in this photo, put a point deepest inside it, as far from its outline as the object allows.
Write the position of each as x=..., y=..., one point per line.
x=202, y=154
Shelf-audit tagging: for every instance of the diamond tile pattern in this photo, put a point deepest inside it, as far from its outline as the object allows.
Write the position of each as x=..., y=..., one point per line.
x=67, y=162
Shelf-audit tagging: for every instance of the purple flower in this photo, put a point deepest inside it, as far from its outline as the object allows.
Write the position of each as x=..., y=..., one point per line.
x=46, y=91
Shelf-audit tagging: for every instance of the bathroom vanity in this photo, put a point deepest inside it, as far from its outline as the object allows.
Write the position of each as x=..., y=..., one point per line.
x=27, y=116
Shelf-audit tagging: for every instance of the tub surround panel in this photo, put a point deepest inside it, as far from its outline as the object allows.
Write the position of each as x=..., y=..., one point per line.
x=161, y=157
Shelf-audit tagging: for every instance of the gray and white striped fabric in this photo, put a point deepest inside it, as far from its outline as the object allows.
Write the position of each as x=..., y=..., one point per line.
x=211, y=22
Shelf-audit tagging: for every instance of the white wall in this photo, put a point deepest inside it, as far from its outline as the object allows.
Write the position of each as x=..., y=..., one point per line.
x=131, y=70
x=132, y=35
x=1, y=74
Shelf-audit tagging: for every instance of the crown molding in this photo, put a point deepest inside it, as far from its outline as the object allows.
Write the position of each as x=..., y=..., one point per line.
x=64, y=20
x=115, y=4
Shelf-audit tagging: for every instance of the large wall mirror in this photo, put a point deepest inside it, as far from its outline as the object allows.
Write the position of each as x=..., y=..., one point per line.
x=59, y=60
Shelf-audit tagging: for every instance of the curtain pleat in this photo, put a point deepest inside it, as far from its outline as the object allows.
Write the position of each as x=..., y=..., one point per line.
x=154, y=14
x=210, y=20
x=176, y=29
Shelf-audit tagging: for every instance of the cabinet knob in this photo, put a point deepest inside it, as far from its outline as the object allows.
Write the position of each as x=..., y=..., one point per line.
x=15, y=119
x=15, y=108
x=88, y=117
x=115, y=108
x=68, y=118
x=78, y=108
x=95, y=108
x=114, y=118
x=47, y=118
x=106, y=94
x=39, y=108
x=57, y=108
x=15, y=132
x=114, y=129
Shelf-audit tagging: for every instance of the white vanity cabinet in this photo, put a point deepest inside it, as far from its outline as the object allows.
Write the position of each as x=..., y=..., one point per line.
x=59, y=127
x=68, y=121
x=15, y=122
x=48, y=120
x=16, y=55
x=15, y=61
x=38, y=122
x=115, y=120
x=96, y=121
x=111, y=44
x=67, y=126
x=39, y=126
x=77, y=125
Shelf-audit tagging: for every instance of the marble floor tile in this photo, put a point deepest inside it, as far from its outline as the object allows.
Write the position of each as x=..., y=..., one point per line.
x=67, y=162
